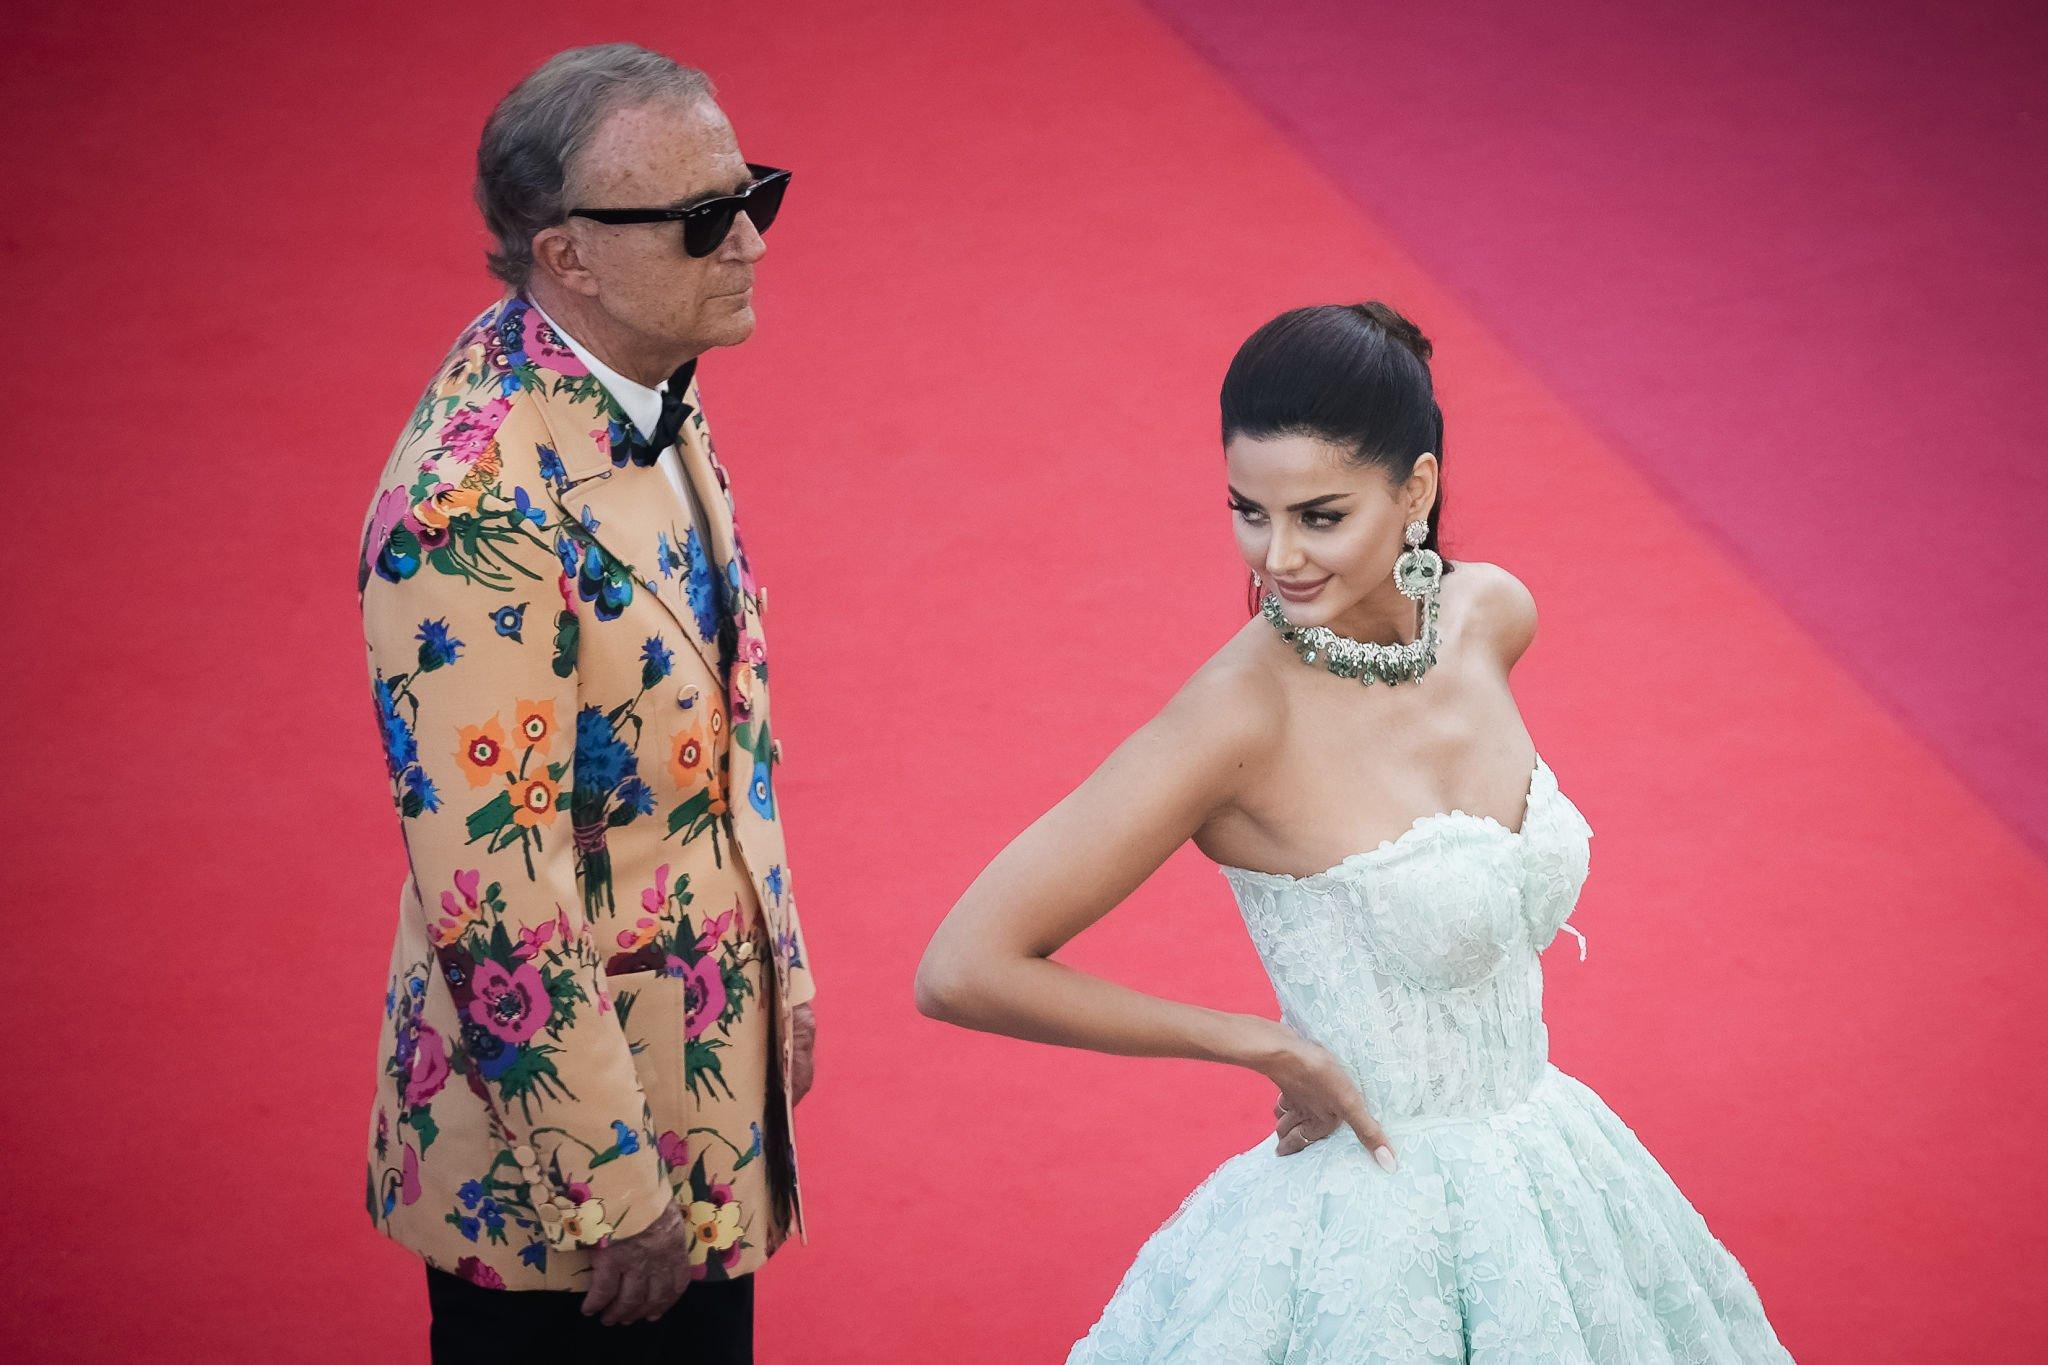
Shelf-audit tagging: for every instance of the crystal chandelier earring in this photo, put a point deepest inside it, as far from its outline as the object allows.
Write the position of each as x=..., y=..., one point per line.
x=1418, y=574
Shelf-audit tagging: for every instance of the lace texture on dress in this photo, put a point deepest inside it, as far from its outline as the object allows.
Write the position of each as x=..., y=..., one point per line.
x=1526, y=1222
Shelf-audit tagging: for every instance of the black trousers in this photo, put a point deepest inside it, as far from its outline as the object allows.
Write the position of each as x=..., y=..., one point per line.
x=711, y=1324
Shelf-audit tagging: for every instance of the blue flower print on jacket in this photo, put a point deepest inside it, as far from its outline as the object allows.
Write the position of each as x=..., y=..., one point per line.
x=600, y=578
x=702, y=587
x=438, y=648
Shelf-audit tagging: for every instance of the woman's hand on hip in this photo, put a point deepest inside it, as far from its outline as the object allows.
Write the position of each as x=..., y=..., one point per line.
x=1317, y=1096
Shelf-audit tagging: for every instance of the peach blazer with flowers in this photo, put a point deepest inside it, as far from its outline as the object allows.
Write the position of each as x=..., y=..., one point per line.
x=588, y=1009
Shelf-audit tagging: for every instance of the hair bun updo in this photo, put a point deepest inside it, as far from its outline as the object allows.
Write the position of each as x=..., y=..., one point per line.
x=1397, y=327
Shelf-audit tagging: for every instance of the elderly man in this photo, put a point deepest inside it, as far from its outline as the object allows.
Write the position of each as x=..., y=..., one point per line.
x=597, y=1025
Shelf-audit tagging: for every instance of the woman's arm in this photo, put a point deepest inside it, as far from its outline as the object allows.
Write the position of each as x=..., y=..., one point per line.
x=989, y=964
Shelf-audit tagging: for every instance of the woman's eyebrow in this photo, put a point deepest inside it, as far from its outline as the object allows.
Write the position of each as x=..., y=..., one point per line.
x=1293, y=506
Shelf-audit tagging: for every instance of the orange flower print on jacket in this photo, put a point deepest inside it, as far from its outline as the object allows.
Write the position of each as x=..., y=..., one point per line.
x=483, y=754
x=529, y=787
x=701, y=811
x=536, y=725
x=534, y=800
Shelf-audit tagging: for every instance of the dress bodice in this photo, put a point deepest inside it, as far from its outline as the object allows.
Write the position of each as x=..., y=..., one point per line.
x=1416, y=962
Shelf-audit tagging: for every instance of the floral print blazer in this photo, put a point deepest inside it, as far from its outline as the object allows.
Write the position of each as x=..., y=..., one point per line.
x=588, y=1014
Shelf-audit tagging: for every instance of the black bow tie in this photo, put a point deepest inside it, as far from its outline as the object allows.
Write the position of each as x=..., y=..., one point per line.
x=674, y=412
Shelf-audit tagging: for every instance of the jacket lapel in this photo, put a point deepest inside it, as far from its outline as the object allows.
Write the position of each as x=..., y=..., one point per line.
x=694, y=446
x=625, y=530
x=741, y=598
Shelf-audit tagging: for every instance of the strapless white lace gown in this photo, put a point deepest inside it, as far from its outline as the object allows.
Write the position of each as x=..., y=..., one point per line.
x=1526, y=1222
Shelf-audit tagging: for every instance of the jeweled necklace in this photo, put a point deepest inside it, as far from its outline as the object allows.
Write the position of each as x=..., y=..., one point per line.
x=1419, y=574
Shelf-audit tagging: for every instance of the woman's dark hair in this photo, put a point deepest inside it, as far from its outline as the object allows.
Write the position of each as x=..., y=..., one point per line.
x=1355, y=375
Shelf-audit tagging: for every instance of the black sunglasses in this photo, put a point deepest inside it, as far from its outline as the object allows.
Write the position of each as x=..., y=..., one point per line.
x=705, y=225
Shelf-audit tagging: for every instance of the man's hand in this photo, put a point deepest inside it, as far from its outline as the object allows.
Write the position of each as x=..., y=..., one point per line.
x=805, y=1047
x=642, y=1276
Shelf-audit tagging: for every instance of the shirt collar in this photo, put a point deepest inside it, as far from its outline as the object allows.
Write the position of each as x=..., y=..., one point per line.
x=641, y=404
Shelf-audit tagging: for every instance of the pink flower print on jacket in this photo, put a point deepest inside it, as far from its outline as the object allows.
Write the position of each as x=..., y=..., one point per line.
x=459, y=908
x=544, y=347
x=476, y=1272
x=469, y=433
x=715, y=929
x=409, y=1177
x=513, y=1005
x=429, y=1069
x=648, y=925
x=704, y=992
x=674, y=1149
x=532, y=940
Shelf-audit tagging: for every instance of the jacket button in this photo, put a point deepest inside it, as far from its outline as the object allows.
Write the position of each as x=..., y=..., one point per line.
x=687, y=697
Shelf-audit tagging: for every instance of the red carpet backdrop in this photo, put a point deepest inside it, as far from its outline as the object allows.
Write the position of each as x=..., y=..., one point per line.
x=1736, y=315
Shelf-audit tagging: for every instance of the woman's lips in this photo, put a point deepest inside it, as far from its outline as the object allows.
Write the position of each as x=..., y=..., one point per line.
x=1299, y=592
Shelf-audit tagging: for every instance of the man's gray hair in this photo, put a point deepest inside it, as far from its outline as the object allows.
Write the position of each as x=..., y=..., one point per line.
x=535, y=134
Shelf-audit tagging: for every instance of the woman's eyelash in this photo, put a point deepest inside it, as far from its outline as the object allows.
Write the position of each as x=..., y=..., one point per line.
x=1317, y=519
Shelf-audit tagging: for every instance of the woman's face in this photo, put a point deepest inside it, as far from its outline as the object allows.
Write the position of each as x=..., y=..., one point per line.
x=1321, y=530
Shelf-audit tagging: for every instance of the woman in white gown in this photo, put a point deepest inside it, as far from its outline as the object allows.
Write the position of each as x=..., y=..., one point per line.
x=1434, y=1189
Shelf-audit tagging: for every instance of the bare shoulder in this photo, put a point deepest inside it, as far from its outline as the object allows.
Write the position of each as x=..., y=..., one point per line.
x=1231, y=709
x=1500, y=608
